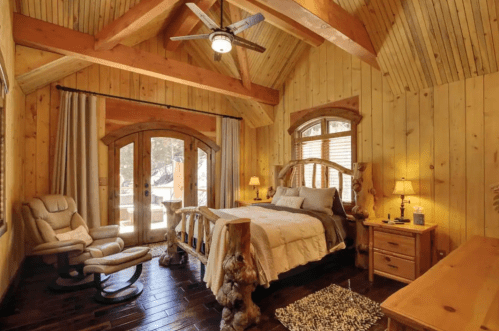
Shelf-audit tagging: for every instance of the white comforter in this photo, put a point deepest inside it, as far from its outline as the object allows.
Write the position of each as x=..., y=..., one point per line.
x=281, y=240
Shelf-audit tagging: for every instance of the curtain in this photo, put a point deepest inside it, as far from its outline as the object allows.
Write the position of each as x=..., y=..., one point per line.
x=229, y=188
x=75, y=170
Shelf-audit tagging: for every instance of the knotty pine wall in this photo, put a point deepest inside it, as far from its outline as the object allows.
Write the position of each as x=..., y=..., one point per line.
x=11, y=243
x=444, y=139
x=42, y=111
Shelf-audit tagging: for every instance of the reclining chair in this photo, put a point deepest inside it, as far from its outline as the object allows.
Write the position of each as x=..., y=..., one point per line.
x=63, y=239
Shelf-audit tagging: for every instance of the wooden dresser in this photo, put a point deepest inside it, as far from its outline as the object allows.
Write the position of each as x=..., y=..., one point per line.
x=460, y=293
x=400, y=252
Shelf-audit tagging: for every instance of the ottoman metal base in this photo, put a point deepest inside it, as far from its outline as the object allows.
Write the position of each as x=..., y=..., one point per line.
x=119, y=292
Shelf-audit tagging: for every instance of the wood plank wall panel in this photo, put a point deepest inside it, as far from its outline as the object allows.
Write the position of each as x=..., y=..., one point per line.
x=42, y=113
x=444, y=139
x=12, y=250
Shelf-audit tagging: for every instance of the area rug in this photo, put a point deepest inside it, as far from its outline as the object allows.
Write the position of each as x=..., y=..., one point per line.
x=332, y=308
x=157, y=249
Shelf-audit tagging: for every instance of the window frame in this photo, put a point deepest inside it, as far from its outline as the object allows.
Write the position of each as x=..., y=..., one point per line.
x=297, y=140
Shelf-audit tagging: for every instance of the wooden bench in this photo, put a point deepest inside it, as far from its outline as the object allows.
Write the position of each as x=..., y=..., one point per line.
x=461, y=292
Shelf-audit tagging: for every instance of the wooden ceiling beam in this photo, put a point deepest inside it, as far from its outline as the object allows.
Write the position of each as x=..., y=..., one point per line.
x=184, y=23
x=242, y=56
x=131, y=22
x=42, y=35
x=280, y=21
x=327, y=19
x=36, y=68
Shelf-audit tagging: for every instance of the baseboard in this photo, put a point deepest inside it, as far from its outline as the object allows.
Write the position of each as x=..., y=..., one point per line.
x=11, y=290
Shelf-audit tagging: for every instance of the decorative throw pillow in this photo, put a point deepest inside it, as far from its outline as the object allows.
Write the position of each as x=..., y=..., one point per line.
x=79, y=233
x=285, y=191
x=318, y=199
x=290, y=202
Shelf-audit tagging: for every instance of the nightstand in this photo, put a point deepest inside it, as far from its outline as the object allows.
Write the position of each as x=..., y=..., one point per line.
x=400, y=252
x=245, y=203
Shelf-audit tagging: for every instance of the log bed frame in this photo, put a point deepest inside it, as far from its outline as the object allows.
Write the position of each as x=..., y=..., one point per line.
x=240, y=278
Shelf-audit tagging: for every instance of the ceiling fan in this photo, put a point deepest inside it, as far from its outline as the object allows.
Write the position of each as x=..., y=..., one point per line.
x=222, y=37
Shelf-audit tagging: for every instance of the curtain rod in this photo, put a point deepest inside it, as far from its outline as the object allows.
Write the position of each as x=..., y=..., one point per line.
x=69, y=89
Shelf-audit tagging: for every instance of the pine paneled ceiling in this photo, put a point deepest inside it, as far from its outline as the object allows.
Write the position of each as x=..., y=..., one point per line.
x=422, y=43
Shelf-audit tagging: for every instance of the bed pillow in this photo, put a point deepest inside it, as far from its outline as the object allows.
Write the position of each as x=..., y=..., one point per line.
x=285, y=191
x=290, y=202
x=318, y=199
x=79, y=233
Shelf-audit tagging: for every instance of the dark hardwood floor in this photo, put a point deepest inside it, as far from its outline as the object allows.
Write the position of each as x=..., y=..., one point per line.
x=173, y=299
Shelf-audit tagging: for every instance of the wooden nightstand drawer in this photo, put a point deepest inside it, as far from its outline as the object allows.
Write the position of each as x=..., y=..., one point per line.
x=394, y=266
x=395, y=243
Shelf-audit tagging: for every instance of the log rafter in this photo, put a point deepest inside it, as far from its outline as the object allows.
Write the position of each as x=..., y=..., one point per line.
x=131, y=22
x=46, y=36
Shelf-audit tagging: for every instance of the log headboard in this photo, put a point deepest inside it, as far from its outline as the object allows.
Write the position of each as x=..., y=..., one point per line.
x=362, y=181
x=287, y=175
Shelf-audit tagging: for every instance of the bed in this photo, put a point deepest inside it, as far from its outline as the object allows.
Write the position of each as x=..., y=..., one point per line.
x=249, y=246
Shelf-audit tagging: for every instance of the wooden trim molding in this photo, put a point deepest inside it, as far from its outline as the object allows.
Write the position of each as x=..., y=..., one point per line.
x=326, y=111
x=147, y=126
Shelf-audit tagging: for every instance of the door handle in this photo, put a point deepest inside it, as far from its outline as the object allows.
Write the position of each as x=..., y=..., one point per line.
x=146, y=192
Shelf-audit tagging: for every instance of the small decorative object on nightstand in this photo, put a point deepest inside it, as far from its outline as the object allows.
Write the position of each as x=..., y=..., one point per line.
x=403, y=187
x=402, y=251
x=255, y=181
x=245, y=203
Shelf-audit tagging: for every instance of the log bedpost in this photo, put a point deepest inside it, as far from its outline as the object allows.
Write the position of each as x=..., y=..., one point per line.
x=240, y=280
x=364, y=209
x=171, y=255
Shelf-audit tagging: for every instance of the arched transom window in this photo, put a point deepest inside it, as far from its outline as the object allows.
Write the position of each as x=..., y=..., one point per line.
x=327, y=137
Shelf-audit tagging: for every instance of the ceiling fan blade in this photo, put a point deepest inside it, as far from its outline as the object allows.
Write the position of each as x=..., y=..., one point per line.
x=195, y=36
x=246, y=23
x=202, y=16
x=217, y=57
x=248, y=44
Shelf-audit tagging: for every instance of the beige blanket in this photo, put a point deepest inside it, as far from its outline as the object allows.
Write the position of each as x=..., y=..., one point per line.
x=280, y=241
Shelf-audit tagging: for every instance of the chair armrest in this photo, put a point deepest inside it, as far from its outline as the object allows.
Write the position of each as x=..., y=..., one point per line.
x=56, y=247
x=104, y=232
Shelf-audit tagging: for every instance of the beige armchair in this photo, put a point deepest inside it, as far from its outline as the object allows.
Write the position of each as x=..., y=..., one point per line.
x=63, y=239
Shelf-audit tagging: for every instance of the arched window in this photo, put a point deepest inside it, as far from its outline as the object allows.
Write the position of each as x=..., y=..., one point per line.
x=329, y=137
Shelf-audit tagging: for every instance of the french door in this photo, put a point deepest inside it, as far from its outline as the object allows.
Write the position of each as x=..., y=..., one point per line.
x=149, y=167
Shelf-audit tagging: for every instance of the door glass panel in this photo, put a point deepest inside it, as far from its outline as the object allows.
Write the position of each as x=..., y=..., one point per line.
x=126, y=189
x=202, y=178
x=167, y=176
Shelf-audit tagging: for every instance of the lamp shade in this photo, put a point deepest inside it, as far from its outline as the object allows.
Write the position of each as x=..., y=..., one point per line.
x=403, y=187
x=254, y=181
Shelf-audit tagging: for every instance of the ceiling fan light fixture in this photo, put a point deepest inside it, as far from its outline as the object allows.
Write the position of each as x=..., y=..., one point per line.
x=221, y=43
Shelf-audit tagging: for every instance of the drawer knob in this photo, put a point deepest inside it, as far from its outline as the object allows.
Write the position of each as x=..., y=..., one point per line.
x=392, y=243
x=387, y=258
x=393, y=266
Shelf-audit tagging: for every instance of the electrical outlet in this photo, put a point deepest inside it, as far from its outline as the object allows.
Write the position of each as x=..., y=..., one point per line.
x=441, y=254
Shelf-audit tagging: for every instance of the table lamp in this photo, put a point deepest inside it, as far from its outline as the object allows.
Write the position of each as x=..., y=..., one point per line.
x=255, y=181
x=403, y=187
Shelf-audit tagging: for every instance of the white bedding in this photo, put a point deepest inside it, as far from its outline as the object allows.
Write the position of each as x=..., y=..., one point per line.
x=292, y=239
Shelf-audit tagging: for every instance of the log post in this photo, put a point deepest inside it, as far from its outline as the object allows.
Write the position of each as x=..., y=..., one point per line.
x=240, y=280
x=171, y=255
x=364, y=209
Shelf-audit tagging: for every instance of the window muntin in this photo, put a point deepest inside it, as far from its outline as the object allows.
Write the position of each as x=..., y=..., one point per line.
x=336, y=144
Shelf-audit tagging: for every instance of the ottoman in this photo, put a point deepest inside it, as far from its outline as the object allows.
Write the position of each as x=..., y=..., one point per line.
x=113, y=263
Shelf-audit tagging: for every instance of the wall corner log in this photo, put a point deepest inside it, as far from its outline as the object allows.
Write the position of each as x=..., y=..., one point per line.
x=171, y=255
x=240, y=280
x=364, y=209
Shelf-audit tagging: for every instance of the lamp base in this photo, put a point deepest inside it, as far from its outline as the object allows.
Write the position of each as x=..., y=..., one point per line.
x=257, y=199
x=405, y=220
